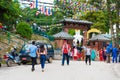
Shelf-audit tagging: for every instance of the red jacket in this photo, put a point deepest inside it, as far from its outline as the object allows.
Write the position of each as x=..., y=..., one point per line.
x=1, y=26
x=65, y=48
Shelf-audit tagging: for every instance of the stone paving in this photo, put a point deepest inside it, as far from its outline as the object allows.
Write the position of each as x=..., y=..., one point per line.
x=77, y=70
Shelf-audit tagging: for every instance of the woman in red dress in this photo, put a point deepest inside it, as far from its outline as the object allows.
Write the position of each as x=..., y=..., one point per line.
x=101, y=54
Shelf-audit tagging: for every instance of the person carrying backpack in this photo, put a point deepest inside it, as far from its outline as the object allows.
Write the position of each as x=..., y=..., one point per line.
x=65, y=51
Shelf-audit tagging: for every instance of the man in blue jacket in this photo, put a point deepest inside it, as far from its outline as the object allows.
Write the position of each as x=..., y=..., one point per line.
x=114, y=54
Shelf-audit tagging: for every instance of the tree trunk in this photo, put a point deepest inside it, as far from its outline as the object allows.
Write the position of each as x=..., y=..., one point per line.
x=117, y=21
x=110, y=22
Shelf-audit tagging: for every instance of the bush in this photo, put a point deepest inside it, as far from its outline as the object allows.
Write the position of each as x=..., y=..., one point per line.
x=24, y=30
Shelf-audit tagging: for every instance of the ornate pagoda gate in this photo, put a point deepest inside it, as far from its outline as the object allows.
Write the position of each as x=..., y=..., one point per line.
x=77, y=24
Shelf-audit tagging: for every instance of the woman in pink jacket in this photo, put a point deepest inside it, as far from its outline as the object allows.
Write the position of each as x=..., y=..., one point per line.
x=75, y=53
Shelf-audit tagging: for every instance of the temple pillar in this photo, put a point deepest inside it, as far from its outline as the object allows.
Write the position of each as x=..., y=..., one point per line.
x=97, y=45
x=85, y=38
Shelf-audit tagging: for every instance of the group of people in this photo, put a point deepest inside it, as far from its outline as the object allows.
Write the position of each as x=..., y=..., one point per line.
x=106, y=54
x=85, y=53
x=75, y=53
x=37, y=52
x=88, y=53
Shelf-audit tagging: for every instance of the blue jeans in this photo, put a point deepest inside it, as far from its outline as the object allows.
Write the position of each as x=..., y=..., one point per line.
x=33, y=62
x=63, y=58
x=42, y=61
x=119, y=57
x=114, y=58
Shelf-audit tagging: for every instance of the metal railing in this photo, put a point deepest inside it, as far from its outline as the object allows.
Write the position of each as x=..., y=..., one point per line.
x=42, y=33
x=11, y=37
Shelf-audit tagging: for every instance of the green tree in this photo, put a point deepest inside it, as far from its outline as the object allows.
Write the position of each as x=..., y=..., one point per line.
x=100, y=4
x=117, y=20
x=29, y=15
x=99, y=20
x=24, y=30
x=64, y=8
x=114, y=20
x=9, y=12
x=54, y=30
x=71, y=31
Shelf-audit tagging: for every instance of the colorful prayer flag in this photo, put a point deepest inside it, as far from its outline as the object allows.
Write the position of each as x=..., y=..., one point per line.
x=31, y=5
x=49, y=12
x=44, y=10
x=36, y=3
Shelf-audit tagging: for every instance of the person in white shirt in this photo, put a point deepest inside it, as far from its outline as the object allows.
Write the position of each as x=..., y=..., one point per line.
x=88, y=55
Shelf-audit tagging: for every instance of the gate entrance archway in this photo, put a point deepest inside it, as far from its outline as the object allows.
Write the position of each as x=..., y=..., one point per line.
x=77, y=24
